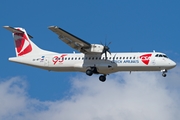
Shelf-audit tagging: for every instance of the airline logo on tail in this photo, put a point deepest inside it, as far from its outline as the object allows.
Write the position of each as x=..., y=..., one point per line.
x=23, y=45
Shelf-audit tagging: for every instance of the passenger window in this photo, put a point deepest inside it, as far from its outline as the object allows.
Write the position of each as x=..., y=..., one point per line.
x=69, y=58
x=130, y=57
x=119, y=57
x=89, y=58
x=82, y=58
x=126, y=57
x=92, y=58
x=75, y=58
x=65, y=58
x=96, y=58
x=109, y=57
x=116, y=58
x=72, y=58
x=134, y=57
x=123, y=57
x=79, y=58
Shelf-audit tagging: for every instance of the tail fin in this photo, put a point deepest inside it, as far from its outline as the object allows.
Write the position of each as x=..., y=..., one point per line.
x=23, y=45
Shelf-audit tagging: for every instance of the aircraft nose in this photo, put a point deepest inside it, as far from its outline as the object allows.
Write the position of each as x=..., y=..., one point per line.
x=173, y=64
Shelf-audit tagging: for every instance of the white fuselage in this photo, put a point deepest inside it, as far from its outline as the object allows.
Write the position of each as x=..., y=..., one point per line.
x=142, y=61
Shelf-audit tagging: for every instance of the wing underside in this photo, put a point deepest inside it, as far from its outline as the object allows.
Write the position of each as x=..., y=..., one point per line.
x=71, y=40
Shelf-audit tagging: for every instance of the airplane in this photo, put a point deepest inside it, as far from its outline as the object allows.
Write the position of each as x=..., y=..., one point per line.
x=92, y=59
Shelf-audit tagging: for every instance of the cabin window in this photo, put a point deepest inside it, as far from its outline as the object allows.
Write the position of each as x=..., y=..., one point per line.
x=126, y=57
x=109, y=57
x=123, y=57
x=134, y=57
x=130, y=57
x=65, y=58
x=75, y=58
x=119, y=57
x=69, y=58
x=96, y=58
x=72, y=58
x=92, y=58
x=79, y=58
x=82, y=58
x=89, y=58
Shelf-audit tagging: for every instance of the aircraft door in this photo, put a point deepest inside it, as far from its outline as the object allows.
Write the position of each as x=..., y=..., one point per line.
x=153, y=61
x=46, y=61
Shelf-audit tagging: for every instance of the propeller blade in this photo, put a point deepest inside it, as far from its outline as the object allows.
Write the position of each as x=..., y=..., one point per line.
x=101, y=43
x=109, y=43
x=114, y=57
x=106, y=49
x=109, y=52
x=105, y=56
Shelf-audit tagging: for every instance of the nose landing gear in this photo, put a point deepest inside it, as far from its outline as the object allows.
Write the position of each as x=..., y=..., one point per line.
x=164, y=71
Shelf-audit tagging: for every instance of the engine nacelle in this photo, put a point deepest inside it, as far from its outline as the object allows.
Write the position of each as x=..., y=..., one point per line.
x=95, y=48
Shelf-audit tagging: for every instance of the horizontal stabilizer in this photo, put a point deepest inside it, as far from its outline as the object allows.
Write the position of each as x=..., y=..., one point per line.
x=13, y=30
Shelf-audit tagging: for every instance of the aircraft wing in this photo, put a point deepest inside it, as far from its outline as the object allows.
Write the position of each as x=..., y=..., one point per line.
x=71, y=40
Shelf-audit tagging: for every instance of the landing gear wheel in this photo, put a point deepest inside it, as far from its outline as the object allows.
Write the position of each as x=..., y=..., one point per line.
x=89, y=72
x=164, y=71
x=164, y=74
x=102, y=78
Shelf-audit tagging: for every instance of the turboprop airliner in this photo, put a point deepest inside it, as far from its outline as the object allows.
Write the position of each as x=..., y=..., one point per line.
x=92, y=59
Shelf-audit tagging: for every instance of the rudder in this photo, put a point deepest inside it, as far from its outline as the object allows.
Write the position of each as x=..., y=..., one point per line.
x=23, y=45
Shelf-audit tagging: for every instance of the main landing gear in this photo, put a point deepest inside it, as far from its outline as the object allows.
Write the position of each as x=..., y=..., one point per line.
x=92, y=70
x=164, y=71
x=89, y=72
x=102, y=78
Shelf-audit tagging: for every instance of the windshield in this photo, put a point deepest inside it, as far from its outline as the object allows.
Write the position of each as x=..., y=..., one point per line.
x=161, y=55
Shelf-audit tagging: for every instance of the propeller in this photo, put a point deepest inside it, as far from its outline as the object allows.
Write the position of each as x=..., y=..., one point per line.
x=106, y=50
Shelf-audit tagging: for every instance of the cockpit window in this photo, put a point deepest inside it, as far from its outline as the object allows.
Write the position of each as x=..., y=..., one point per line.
x=161, y=55
x=165, y=56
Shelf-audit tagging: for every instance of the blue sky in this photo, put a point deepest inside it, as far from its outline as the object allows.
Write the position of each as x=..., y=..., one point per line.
x=130, y=25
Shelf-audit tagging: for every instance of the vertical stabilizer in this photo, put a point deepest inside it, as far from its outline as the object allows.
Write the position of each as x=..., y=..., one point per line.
x=23, y=45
